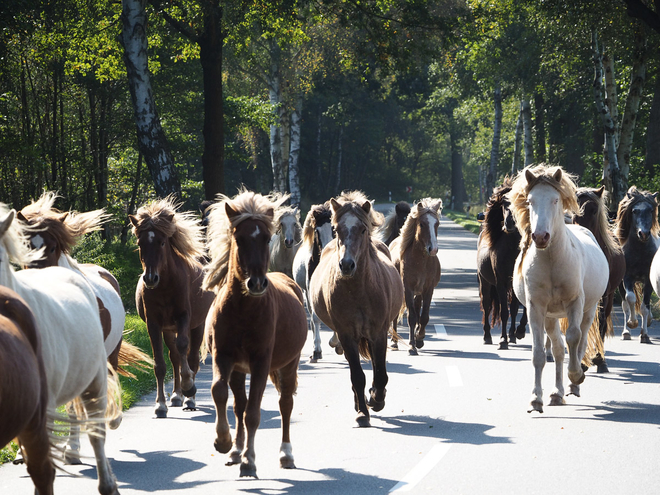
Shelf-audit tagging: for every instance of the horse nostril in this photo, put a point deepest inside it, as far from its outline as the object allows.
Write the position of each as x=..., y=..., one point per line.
x=265, y=283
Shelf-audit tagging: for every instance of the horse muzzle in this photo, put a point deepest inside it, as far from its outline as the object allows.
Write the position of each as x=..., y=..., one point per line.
x=257, y=286
x=541, y=240
x=288, y=243
x=347, y=267
x=150, y=280
x=643, y=235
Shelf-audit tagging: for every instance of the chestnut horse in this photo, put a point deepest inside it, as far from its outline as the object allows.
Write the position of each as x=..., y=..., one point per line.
x=415, y=256
x=286, y=240
x=594, y=216
x=169, y=295
x=58, y=233
x=67, y=316
x=393, y=223
x=24, y=397
x=257, y=324
x=497, y=250
x=561, y=272
x=358, y=293
x=637, y=230
x=317, y=233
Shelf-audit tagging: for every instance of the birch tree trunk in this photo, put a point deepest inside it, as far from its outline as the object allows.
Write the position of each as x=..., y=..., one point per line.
x=495, y=147
x=294, y=151
x=539, y=127
x=611, y=172
x=275, y=94
x=515, y=166
x=526, y=110
x=629, y=120
x=152, y=142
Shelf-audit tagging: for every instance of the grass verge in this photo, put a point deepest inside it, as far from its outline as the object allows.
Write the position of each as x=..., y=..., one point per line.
x=468, y=222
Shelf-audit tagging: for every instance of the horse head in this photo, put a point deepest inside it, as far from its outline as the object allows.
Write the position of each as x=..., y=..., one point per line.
x=323, y=231
x=154, y=245
x=590, y=207
x=353, y=233
x=47, y=233
x=509, y=222
x=402, y=210
x=426, y=233
x=643, y=214
x=545, y=206
x=289, y=227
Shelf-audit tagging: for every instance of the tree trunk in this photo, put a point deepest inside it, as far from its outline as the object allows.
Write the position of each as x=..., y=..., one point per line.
x=611, y=94
x=527, y=129
x=638, y=78
x=294, y=152
x=213, y=158
x=491, y=177
x=652, y=158
x=275, y=94
x=457, y=182
x=152, y=142
x=515, y=166
x=539, y=126
x=133, y=200
x=319, y=160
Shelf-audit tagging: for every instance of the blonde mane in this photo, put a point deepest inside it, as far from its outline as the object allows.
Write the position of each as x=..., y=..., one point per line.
x=604, y=231
x=248, y=205
x=352, y=201
x=66, y=227
x=182, y=228
x=543, y=174
x=419, y=209
x=310, y=221
x=16, y=241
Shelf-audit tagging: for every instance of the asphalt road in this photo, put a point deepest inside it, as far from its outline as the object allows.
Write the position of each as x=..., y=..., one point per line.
x=455, y=421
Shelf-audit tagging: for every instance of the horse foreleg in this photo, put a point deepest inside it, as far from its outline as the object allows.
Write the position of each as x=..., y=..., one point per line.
x=520, y=331
x=316, y=328
x=423, y=318
x=486, y=306
x=513, y=314
x=413, y=318
x=504, y=316
x=183, y=346
x=536, y=323
x=577, y=337
x=558, y=352
x=196, y=337
x=288, y=382
x=628, y=302
x=259, y=367
x=222, y=371
x=237, y=384
x=395, y=335
x=645, y=311
x=358, y=382
x=378, y=351
x=159, y=368
x=176, y=400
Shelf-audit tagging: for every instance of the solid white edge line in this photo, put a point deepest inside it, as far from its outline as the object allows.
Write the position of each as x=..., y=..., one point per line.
x=425, y=466
x=454, y=376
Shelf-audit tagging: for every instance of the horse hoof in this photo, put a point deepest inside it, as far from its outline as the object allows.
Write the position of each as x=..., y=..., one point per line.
x=222, y=447
x=375, y=404
x=190, y=405
x=644, y=339
x=175, y=401
x=113, y=424
x=362, y=421
x=574, y=389
x=18, y=460
x=584, y=367
x=512, y=339
x=520, y=333
x=549, y=359
x=394, y=346
x=191, y=391
x=602, y=368
x=488, y=340
x=248, y=471
x=504, y=345
x=419, y=344
x=537, y=405
x=234, y=458
x=72, y=458
x=339, y=349
x=412, y=351
x=161, y=412
x=316, y=356
x=287, y=463
x=577, y=378
x=557, y=400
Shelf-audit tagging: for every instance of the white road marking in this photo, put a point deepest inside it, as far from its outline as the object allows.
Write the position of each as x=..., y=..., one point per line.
x=424, y=467
x=440, y=329
x=454, y=376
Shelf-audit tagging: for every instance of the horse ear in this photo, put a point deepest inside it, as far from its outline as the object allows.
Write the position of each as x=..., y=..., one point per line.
x=231, y=213
x=600, y=191
x=6, y=221
x=557, y=175
x=334, y=204
x=529, y=175
x=419, y=207
x=655, y=196
x=62, y=216
x=270, y=213
x=366, y=206
x=133, y=219
x=21, y=217
x=437, y=206
x=629, y=194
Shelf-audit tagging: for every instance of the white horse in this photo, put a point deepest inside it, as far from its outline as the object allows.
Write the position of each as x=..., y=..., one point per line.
x=285, y=241
x=67, y=315
x=317, y=233
x=561, y=272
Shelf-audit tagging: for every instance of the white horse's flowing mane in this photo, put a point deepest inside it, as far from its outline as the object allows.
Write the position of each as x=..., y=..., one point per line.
x=16, y=241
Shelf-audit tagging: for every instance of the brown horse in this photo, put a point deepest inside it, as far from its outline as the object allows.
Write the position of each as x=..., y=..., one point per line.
x=257, y=324
x=415, y=256
x=357, y=292
x=593, y=215
x=169, y=295
x=24, y=390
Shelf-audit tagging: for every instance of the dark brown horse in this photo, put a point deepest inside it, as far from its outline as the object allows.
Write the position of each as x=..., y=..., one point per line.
x=497, y=250
x=24, y=389
x=594, y=216
x=357, y=292
x=415, y=256
x=169, y=295
x=637, y=230
x=394, y=222
x=257, y=324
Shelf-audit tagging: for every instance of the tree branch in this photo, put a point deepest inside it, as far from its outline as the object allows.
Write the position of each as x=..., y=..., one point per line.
x=638, y=10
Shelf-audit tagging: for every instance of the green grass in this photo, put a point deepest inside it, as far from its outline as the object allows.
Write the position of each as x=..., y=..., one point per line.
x=469, y=222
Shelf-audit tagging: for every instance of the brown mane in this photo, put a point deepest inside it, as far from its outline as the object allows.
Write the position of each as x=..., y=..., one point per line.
x=624, y=213
x=182, y=228
x=604, y=231
x=249, y=205
x=492, y=226
x=409, y=229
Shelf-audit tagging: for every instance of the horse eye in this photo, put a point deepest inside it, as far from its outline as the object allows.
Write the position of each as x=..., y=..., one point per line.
x=162, y=244
x=364, y=230
x=52, y=250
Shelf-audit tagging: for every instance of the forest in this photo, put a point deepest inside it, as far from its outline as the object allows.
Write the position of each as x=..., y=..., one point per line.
x=111, y=103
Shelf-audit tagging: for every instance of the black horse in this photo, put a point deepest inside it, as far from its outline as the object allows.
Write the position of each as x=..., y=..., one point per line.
x=497, y=250
x=393, y=222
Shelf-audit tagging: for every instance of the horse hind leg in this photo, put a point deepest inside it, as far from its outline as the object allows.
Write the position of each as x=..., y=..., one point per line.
x=287, y=384
x=72, y=451
x=316, y=329
x=558, y=352
x=35, y=443
x=394, y=342
x=423, y=318
x=197, y=335
x=237, y=384
x=176, y=399
x=646, y=315
x=413, y=318
x=504, y=317
x=258, y=378
x=377, y=392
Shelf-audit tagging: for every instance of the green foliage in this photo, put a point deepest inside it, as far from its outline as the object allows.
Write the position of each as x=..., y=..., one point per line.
x=8, y=454
x=467, y=221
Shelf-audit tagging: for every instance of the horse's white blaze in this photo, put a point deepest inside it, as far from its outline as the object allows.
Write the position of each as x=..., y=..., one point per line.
x=544, y=206
x=431, y=223
x=37, y=241
x=325, y=234
x=151, y=235
x=256, y=231
x=288, y=224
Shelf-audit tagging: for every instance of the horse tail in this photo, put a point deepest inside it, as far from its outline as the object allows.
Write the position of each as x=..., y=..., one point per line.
x=495, y=306
x=594, y=341
x=113, y=410
x=638, y=289
x=130, y=355
x=363, y=348
x=609, y=329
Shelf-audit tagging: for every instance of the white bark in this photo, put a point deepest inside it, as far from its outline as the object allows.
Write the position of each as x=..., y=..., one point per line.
x=611, y=95
x=275, y=95
x=294, y=151
x=526, y=111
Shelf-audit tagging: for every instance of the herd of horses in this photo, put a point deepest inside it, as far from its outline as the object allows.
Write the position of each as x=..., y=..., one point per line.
x=237, y=284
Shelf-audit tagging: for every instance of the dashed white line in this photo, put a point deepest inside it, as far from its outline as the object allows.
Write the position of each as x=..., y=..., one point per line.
x=425, y=466
x=440, y=329
x=454, y=376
